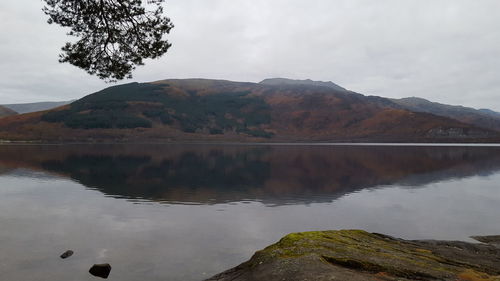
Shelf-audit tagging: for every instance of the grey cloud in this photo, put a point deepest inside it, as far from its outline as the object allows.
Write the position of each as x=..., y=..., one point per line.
x=445, y=50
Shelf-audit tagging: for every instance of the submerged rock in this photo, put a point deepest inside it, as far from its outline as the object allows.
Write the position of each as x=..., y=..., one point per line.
x=358, y=256
x=67, y=254
x=101, y=270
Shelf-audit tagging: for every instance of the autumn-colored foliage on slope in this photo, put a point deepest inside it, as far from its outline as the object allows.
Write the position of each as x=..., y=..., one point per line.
x=200, y=109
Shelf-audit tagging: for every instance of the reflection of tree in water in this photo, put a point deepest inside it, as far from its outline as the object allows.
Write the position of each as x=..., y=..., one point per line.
x=271, y=174
x=98, y=170
x=215, y=171
x=140, y=177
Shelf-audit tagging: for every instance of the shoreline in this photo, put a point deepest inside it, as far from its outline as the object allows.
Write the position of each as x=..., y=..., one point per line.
x=249, y=143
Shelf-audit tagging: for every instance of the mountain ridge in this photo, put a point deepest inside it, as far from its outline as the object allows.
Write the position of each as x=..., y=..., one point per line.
x=35, y=106
x=5, y=111
x=484, y=118
x=220, y=110
x=295, y=82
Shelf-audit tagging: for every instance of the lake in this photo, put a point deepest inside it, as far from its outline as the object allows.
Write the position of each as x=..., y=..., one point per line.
x=187, y=212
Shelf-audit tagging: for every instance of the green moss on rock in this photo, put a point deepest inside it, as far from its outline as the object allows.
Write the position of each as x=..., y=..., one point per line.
x=359, y=255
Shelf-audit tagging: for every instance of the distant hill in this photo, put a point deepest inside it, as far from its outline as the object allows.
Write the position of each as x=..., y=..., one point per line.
x=4, y=111
x=36, y=106
x=202, y=109
x=489, y=112
x=307, y=82
x=484, y=118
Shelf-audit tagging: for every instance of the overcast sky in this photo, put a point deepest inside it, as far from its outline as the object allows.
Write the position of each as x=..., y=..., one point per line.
x=443, y=50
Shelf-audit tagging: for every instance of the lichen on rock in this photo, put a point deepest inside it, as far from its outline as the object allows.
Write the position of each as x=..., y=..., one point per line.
x=359, y=255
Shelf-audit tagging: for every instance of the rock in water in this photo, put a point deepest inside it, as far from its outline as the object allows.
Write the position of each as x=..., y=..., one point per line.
x=100, y=270
x=67, y=254
x=357, y=255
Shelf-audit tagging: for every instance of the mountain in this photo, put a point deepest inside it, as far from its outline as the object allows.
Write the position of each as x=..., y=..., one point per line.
x=218, y=110
x=307, y=82
x=36, y=106
x=484, y=118
x=489, y=112
x=5, y=111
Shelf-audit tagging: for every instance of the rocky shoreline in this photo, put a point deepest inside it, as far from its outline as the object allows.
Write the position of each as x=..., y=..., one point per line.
x=358, y=256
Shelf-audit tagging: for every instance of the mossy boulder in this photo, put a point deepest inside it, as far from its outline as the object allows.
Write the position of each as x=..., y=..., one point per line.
x=359, y=255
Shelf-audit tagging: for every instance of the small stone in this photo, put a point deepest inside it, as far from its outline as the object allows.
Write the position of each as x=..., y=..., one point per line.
x=100, y=270
x=67, y=254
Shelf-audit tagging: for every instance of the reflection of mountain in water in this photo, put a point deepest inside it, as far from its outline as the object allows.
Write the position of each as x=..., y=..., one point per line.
x=165, y=178
x=272, y=174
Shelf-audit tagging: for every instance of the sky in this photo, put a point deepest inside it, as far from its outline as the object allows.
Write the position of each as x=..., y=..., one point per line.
x=442, y=50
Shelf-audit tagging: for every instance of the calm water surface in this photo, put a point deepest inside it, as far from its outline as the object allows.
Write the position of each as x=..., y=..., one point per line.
x=186, y=212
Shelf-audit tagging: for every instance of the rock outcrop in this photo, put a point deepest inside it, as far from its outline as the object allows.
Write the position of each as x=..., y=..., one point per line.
x=358, y=255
